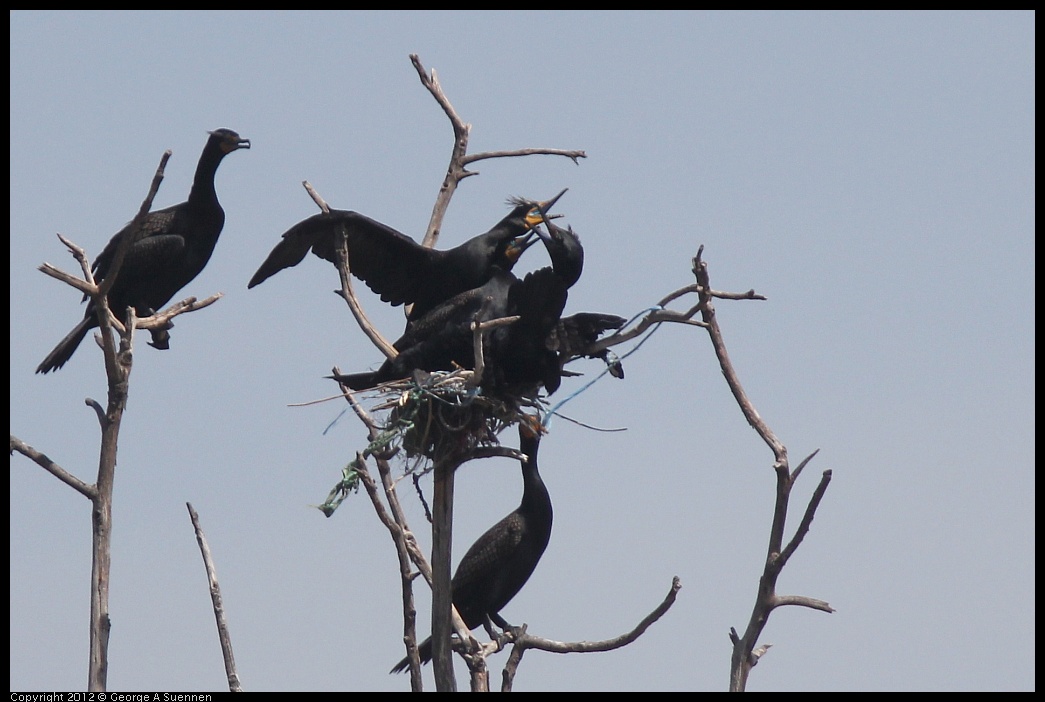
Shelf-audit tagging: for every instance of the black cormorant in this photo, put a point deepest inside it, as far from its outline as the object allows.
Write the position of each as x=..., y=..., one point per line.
x=395, y=266
x=500, y=562
x=516, y=355
x=171, y=248
x=441, y=339
x=567, y=337
x=521, y=356
x=520, y=359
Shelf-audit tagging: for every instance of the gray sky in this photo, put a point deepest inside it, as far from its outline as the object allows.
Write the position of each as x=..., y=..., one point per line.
x=870, y=173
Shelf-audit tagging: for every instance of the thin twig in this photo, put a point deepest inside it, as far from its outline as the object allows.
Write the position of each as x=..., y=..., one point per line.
x=320, y=202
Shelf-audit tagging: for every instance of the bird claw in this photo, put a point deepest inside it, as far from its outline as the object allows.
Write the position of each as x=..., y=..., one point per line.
x=161, y=338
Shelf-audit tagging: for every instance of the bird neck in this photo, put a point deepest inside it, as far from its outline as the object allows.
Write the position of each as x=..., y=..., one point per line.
x=203, y=184
x=568, y=260
x=513, y=225
x=535, y=494
x=568, y=270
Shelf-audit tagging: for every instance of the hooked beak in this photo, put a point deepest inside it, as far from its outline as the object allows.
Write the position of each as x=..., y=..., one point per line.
x=532, y=426
x=540, y=213
x=547, y=204
x=228, y=144
x=546, y=218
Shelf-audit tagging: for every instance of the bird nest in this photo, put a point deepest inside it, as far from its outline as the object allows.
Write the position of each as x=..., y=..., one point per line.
x=432, y=418
x=444, y=415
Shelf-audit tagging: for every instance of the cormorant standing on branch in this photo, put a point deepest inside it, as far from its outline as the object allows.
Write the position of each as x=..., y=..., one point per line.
x=170, y=249
x=516, y=357
x=500, y=562
x=443, y=337
x=567, y=337
x=519, y=358
x=395, y=266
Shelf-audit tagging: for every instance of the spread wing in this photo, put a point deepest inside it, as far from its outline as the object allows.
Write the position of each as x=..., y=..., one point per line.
x=389, y=262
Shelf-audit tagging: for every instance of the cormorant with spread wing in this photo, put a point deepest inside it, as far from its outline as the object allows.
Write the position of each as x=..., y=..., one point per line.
x=395, y=266
x=499, y=563
x=170, y=249
x=516, y=355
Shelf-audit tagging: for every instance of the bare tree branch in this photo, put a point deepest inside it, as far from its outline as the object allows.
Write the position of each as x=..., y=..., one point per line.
x=161, y=320
x=42, y=460
x=659, y=313
x=85, y=286
x=807, y=518
x=455, y=172
x=745, y=655
x=571, y=154
x=131, y=233
x=320, y=202
x=349, y=295
x=219, y=608
x=800, y=601
x=407, y=549
x=523, y=640
x=479, y=329
x=347, y=292
x=700, y=270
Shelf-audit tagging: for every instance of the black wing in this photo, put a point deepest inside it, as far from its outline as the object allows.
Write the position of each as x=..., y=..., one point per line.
x=389, y=262
x=156, y=233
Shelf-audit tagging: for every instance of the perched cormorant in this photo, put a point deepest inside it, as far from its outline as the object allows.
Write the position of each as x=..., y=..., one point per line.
x=567, y=337
x=395, y=266
x=521, y=356
x=516, y=355
x=170, y=249
x=500, y=562
x=441, y=339
x=520, y=359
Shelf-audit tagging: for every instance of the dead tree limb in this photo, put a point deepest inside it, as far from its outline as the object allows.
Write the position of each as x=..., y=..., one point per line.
x=522, y=640
x=745, y=655
x=118, y=359
x=407, y=550
x=459, y=158
x=215, y=597
x=347, y=292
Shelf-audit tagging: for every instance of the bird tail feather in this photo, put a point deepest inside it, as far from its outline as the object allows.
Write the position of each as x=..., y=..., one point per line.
x=65, y=348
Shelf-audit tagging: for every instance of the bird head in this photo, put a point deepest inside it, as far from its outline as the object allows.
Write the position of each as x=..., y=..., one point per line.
x=530, y=426
x=565, y=250
x=514, y=249
x=538, y=211
x=229, y=140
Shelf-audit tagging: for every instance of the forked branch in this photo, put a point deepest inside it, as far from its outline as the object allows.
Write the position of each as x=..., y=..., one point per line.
x=745, y=654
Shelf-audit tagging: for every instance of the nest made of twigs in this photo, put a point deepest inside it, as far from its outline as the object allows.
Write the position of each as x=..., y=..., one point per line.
x=443, y=415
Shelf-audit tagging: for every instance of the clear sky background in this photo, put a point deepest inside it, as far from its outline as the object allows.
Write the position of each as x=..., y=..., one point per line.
x=872, y=174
